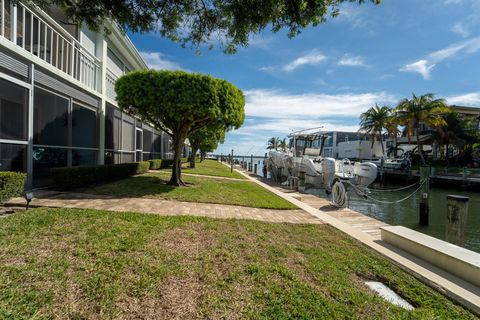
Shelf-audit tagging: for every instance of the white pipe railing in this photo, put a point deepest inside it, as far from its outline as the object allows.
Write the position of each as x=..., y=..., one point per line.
x=40, y=35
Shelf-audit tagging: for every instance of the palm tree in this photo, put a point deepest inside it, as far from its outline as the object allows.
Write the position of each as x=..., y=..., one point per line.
x=373, y=121
x=283, y=145
x=391, y=125
x=273, y=143
x=420, y=110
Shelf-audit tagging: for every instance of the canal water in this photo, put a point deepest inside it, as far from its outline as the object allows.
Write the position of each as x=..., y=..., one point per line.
x=406, y=213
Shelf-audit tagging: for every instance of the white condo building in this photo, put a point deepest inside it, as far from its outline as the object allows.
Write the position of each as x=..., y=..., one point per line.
x=57, y=98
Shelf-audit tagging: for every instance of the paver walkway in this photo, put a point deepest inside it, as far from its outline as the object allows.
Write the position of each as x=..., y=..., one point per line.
x=56, y=199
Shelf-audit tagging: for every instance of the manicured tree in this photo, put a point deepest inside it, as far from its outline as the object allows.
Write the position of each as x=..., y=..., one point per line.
x=206, y=21
x=209, y=146
x=206, y=139
x=418, y=110
x=179, y=103
x=373, y=121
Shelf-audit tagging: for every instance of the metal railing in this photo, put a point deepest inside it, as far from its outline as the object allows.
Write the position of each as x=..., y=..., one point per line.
x=46, y=39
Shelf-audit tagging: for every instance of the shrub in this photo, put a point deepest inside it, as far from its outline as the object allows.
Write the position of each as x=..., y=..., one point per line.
x=166, y=163
x=12, y=184
x=155, y=164
x=75, y=177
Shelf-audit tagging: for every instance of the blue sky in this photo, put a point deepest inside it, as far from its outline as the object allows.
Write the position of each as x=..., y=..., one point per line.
x=329, y=74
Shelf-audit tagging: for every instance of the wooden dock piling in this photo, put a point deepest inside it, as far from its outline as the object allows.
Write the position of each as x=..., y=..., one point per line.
x=457, y=213
x=424, y=205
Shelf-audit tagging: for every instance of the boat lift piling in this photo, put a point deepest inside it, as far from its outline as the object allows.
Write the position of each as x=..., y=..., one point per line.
x=231, y=165
x=457, y=213
x=424, y=205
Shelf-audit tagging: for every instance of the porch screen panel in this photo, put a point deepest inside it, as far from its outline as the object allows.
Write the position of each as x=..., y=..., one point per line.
x=13, y=111
x=50, y=119
x=84, y=127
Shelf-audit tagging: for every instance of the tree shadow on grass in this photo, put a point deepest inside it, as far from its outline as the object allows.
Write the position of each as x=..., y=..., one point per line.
x=137, y=186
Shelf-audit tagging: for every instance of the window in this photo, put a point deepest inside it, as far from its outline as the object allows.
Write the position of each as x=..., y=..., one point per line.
x=13, y=111
x=147, y=141
x=46, y=158
x=84, y=157
x=157, y=143
x=13, y=157
x=127, y=157
x=50, y=124
x=84, y=127
x=113, y=124
x=138, y=135
x=127, y=135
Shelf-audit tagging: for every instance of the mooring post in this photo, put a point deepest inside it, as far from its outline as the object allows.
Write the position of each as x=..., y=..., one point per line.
x=457, y=213
x=231, y=166
x=221, y=157
x=255, y=168
x=424, y=208
x=301, y=181
x=251, y=162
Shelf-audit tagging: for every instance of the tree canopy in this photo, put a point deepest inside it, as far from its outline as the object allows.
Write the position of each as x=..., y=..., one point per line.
x=203, y=21
x=373, y=121
x=206, y=140
x=424, y=109
x=180, y=103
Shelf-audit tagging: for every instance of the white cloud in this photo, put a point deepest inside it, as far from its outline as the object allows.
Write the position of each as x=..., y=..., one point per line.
x=313, y=58
x=277, y=104
x=267, y=69
x=467, y=99
x=422, y=66
x=157, y=60
x=352, y=61
x=425, y=66
x=461, y=29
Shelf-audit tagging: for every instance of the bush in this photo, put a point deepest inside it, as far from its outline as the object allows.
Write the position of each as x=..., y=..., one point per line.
x=75, y=177
x=155, y=164
x=166, y=163
x=12, y=184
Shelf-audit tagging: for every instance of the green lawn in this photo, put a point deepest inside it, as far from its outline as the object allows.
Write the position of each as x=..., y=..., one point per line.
x=87, y=264
x=210, y=168
x=199, y=189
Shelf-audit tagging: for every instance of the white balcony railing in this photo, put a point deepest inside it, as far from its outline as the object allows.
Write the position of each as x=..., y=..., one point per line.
x=46, y=39
x=111, y=78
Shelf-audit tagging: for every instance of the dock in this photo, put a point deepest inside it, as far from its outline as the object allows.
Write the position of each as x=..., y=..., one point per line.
x=368, y=225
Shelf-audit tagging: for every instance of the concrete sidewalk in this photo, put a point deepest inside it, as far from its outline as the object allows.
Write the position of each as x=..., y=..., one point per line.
x=56, y=199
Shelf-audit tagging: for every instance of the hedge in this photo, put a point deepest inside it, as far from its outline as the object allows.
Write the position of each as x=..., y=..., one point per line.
x=12, y=184
x=155, y=164
x=75, y=177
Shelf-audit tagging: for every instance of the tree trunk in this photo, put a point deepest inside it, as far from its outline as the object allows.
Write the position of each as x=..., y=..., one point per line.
x=419, y=147
x=381, y=142
x=176, y=178
x=395, y=151
x=193, y=157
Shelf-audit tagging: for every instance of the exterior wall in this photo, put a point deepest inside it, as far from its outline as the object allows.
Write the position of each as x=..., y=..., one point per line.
x=56, y=104
x=359, y=149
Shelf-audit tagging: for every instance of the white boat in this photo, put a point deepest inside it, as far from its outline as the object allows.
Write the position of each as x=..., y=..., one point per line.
x=304, y=155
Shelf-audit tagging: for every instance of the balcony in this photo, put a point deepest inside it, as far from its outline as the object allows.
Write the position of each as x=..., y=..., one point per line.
x=39, y=34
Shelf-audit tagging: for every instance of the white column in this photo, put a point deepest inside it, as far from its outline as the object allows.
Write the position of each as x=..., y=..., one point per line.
x=101, y=52
x=30, y=130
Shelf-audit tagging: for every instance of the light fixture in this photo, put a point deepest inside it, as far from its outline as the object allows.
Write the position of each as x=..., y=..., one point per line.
x=28, y=198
